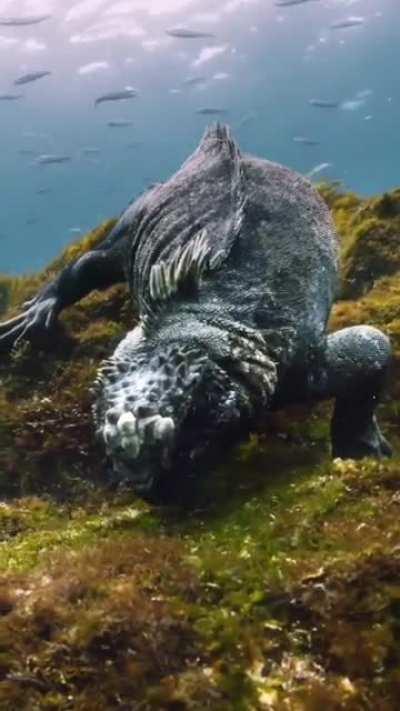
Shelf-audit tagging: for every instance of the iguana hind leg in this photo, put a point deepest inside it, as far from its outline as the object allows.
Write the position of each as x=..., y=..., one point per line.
x=352, y=368
x=354, y=371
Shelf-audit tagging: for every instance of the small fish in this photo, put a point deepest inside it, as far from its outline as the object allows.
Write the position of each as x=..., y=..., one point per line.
x=347, y=22
x=305, y=141
x=50, y=159
x=10, y=97
x=322, y=104
x=288, y=3
x=89, y=151
x=364, y=94
x=116, y=96
x=32, y=76
x=352, y=104
x=23, y=21
x=43, y=191
x=75, y=230
x=133, y=144
x=318, y=169
x=183, y=33
x=119, y=123
x=211, y=111
x=194, y=81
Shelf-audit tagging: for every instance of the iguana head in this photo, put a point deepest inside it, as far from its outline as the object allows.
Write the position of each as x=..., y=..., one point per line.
x=160, y=408
x=178, y=382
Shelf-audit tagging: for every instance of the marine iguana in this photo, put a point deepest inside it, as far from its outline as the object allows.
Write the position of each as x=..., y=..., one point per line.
x=233, y=265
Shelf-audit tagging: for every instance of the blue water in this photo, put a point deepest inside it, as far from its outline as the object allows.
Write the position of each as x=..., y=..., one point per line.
x=262, y=66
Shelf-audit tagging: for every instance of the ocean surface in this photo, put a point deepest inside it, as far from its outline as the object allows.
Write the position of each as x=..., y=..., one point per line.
x=313, y=85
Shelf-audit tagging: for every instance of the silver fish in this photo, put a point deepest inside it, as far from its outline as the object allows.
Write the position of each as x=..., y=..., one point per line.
x=32, y=76
x=194, y=81
x=116, y=96
x=50, y=159
x=352, y=104
x=23, y=21
x=322, y=104
x=318, y=169
x=119, y=123
x=348, y=22
x=288, y=3
x=89, y=151
x=10, y=97
x=364, y=94
x=305, y=141
x=211, y=111
x=182, y=33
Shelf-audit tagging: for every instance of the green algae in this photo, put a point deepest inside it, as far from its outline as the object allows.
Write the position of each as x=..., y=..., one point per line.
x=246, y=565
x=278, y=589
x=370, y=237
x=35, y=534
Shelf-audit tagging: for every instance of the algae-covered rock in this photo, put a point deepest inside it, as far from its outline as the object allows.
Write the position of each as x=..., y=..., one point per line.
x=4, y=300
x=278, y=589
x=370, y=233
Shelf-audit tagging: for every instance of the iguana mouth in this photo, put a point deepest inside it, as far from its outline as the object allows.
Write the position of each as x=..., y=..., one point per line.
x=142, y=477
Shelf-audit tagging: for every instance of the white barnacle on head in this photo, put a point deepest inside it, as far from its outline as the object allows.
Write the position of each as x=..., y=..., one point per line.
x=127, y=424
x=163, y=428
x=109, y=433
x=128, y=434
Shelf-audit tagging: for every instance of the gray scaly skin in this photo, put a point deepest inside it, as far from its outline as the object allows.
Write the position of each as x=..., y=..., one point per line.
x=233, y=264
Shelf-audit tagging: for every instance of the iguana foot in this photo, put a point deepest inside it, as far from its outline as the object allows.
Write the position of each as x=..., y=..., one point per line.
x=37, y=319
x=369, y=443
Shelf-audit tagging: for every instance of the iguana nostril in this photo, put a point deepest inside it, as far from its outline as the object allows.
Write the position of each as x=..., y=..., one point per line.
x=143, y=411
x=112, y=416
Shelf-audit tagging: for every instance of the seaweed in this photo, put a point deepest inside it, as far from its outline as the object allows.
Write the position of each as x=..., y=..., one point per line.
x=370, y=237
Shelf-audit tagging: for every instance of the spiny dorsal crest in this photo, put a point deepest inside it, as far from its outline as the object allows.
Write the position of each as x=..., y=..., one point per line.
x=187, y=265
x=219, y=137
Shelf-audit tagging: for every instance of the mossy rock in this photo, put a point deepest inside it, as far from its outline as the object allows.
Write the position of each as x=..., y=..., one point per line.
x=374, y=252
x=370, y=237
x=4, y=295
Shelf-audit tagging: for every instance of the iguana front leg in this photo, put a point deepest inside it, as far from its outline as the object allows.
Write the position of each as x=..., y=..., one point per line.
x=97, y=269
